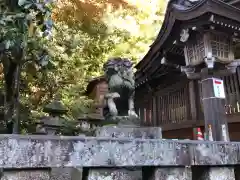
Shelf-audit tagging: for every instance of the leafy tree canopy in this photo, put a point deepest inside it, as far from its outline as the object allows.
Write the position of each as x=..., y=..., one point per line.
x=89, y=32
x=86, y=34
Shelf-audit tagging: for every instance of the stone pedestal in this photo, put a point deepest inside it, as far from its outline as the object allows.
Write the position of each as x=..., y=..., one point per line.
x=62, y=173
x=170, y=173
x=129, y=132
x=237, y=172
x=114, y=174
x=122, y=131
x=76, y=174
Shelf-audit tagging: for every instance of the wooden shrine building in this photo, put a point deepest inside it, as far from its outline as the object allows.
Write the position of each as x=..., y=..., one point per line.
x=96, y=89
x=165, y=96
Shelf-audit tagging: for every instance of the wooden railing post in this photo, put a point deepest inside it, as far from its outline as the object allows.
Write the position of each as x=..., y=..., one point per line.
x=154, y=111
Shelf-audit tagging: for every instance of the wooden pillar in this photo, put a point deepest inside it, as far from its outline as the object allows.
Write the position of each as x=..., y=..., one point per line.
x=154, y=111
x=193, y=100
x=193, y=105
x=213, y=105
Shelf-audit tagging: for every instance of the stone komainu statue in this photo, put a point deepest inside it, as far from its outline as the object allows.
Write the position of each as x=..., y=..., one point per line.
x=121, y=88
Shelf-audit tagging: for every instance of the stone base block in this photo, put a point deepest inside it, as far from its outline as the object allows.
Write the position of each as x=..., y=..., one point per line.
x=173, y=173
x=61, y=173
x=237, y=172
x=114, y=174
x=130, y=132
x=26, y=175
x=216, y=173
x=76, y=173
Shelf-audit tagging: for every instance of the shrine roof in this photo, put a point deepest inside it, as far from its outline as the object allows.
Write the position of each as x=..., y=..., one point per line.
x=179, y=13
x=93, y=82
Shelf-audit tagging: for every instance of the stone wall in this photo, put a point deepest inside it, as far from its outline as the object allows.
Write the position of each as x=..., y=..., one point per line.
x=45, y=157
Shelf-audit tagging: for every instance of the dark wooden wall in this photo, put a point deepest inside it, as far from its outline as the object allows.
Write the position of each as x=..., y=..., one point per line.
x=166, y=106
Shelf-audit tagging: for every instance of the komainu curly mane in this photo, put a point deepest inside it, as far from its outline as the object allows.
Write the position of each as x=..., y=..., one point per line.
x=121, y=86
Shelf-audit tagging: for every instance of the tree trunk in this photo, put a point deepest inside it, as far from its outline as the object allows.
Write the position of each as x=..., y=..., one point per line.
x=16, y=121
x=11, y=112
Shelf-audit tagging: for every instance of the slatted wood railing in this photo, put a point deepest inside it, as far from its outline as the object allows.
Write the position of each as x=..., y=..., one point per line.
x=172, y=107
x=168, y=107
x=232, y=89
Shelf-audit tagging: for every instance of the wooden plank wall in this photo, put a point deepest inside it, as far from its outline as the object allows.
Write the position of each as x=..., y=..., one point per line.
x=232, y=89
x=172, y=106
x=166, y=107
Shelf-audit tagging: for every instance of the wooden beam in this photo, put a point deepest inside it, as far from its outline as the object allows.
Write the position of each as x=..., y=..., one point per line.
x=233, y=118
x=182, y=125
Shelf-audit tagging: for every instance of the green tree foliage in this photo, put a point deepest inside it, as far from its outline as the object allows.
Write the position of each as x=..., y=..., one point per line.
x=89, y=32
x=24, y=24
x=86, y=33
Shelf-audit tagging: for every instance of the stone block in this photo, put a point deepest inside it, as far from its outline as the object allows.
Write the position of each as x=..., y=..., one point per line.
x=114, y=174
x=26, y=175
x=61, y=173
x=129, y=132
x=36, y=151
x=76, y=173
x=121, y=131
x=55, y=151
x=216, y=153
x=171, y=173
x=215, y=173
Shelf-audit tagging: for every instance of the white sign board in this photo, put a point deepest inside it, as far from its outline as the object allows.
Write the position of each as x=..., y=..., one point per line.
x=224, y=133
x=218, y=88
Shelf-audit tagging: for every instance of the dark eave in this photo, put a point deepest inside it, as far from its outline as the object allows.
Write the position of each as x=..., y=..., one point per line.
x=233, y=2
x=177, y=14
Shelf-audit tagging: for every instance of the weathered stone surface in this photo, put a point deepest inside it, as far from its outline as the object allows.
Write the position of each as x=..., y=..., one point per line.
x=124, y=132
x=237, y=172
x=61, y=173
x=114, y=174
x=26, y=175
x=129, y=132
x=76, y=174
x=174, y=173
x=50, y=151
x=216, y=153
x=217, y=173
x=56, y=151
